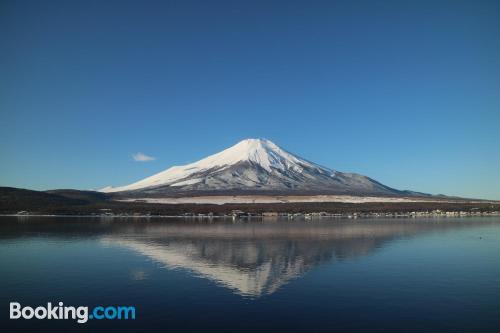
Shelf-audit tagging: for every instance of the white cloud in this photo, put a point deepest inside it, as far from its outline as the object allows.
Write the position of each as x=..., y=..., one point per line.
x=140, y=157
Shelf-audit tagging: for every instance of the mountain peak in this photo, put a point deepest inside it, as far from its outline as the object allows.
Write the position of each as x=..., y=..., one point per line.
x=254, y=141
x=260, y=153
x=250, y=145
x=253, y=144
x=253, y=165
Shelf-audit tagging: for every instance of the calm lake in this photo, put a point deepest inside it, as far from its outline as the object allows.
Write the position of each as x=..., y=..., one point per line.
x=377, y=275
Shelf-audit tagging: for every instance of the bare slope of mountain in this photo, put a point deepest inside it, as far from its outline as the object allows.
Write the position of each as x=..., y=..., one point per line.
x=255, y=166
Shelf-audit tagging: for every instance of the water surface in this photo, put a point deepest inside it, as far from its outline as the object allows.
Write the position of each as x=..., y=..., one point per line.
x=410, y=275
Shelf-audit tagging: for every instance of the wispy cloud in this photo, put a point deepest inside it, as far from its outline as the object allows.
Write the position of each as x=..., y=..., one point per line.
x=140, y=157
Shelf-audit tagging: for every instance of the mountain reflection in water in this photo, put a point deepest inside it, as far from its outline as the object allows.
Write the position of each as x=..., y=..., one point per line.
x=254, y=259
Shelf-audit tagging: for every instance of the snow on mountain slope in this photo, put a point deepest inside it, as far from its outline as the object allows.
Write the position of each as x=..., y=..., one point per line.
x=254, y=164
x=261, y=152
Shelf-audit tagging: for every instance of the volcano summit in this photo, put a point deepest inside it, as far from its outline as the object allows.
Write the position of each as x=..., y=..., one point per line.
x=255, y=166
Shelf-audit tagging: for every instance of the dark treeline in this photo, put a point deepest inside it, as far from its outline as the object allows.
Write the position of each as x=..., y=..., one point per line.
x=86, y=203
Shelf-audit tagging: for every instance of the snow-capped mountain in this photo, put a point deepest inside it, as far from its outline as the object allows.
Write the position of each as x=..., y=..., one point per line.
x=255, y=166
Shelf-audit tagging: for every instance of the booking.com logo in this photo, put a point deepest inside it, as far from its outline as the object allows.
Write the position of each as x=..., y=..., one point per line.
x=81, y=313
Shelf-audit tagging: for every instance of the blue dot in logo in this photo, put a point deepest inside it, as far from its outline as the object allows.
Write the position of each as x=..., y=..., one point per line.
x=91, y=316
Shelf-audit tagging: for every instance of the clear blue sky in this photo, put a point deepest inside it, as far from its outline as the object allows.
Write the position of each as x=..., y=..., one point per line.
x=406, y=92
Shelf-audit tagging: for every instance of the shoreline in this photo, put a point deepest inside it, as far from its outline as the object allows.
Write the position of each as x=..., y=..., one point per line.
x=282, y=216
